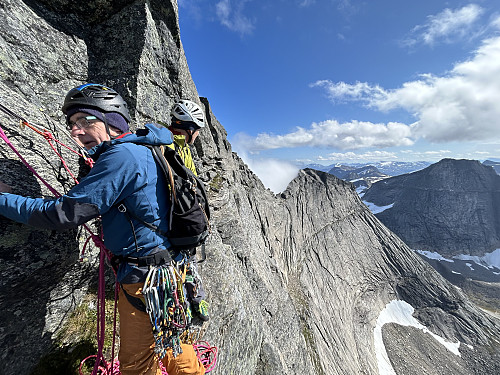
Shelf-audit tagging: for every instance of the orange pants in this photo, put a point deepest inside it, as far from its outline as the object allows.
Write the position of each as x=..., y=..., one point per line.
x=136, y=354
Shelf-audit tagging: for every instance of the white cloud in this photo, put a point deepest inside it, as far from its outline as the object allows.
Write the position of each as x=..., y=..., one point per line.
x=366, y=156
x=193, y=9
x=460, y=106
x=342, y=91
x=305, y=3
x=230, y=14
x=275, y=174
x=495, y=23
x=448, y=26
x=331, y=133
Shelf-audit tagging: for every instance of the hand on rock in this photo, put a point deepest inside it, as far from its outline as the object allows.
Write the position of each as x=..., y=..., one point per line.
x=4, y=188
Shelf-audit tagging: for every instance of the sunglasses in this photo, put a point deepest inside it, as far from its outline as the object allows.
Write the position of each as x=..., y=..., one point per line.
x=82, y=122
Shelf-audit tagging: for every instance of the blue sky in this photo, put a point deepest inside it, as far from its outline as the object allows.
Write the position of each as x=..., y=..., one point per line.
x=327, y=81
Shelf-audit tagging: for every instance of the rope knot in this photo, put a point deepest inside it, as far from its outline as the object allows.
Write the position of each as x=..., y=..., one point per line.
x=90, y=162
x=48, y=135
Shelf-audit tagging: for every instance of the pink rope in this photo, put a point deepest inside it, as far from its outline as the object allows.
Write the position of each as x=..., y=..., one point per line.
x=101, y=306
x=49, y=137
x=6, y=139
x=206, y=353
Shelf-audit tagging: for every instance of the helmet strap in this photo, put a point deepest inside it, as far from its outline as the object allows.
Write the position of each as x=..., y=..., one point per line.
x=189, y=136
x=107, y=126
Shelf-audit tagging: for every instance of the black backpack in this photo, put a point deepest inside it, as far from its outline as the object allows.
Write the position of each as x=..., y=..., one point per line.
x=189, y=216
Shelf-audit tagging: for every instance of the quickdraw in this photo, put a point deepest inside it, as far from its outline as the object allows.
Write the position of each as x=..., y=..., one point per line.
x=167, y=306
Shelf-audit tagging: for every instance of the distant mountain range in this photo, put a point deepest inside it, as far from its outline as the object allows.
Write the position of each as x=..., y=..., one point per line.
x=451, y=207
x=363, y=175
x=450, y=213
x=494, y=164
x=390, y=168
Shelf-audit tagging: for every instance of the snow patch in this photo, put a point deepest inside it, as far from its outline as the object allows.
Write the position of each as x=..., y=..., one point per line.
x=401, y=313
x=434, y=255
x=470, y=266
x=377, y=209
x=488, y=260
x=361, y=191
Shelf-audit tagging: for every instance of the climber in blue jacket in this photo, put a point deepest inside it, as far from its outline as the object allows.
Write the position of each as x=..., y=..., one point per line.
x=124, y=172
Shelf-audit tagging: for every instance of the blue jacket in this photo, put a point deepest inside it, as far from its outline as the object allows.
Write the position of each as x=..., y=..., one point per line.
x=124, y=172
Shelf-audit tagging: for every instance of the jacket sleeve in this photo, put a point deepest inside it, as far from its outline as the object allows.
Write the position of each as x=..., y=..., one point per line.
x=116, y=174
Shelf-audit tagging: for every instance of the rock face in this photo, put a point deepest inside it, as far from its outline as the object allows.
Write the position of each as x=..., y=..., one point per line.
x=296, y=281
x=494, y=164
x=452, y=207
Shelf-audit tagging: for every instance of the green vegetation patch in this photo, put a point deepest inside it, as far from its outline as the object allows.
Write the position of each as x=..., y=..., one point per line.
x=77, y=340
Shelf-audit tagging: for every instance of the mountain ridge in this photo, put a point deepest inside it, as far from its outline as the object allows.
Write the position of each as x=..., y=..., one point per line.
x=448, y=207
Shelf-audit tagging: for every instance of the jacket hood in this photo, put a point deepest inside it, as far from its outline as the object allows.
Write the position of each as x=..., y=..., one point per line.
x=151, y=134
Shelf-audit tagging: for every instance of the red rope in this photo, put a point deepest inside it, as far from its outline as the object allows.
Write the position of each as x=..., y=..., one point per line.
x=103, y=252
x=49, y=137
x=6, y=139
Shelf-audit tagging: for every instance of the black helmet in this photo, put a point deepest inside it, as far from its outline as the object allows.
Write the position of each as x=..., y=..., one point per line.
x=93, y=95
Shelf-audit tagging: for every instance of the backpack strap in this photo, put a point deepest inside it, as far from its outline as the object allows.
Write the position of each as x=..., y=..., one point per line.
x=159, y=156
x=123, y=209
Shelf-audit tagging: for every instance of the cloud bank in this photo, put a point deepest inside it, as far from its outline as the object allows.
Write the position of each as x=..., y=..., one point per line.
x=332, y=134
x=352, y=156
x=275, y=174
x=463, y=105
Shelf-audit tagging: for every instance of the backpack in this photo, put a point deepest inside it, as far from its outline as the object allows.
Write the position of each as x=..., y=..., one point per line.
x=189, y=215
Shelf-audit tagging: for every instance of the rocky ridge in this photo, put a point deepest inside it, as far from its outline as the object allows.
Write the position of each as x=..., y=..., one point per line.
x=296, y=281
x=362, y=177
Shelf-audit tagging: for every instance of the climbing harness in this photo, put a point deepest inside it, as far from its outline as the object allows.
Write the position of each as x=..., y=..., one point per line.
x=163, y=290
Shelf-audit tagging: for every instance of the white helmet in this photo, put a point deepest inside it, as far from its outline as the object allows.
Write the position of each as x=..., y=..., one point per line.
x=187, y=115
